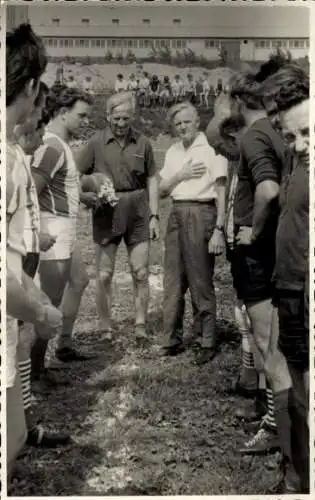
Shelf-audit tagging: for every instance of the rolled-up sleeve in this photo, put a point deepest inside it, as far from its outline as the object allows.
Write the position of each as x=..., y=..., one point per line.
x=221, y=167
x=261, y=157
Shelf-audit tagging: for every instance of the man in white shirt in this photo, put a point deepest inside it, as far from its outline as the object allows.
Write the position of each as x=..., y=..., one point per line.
x=194, y=176
x=121, y=84
x=177, y=87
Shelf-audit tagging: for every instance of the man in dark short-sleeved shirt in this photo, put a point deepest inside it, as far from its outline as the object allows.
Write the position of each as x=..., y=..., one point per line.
x=290, y=90
x=256, y=211
x=125, y=156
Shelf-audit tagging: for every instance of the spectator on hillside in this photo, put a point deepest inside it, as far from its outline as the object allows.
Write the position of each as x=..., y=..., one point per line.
x=143, y=91
x=204, y=95
x=165, y=92
x=194, y=176
x=155, y=86
x=219, y=88
x=125, y=156
x=132, y=84
x=190, y=89
x=120, y=84
x=177, y=89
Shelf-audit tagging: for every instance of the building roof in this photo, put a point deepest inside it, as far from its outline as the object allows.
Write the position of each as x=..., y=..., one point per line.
x=201, y=22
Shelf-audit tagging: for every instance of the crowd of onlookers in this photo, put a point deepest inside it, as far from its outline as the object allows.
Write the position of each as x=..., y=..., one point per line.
x=152, y=90
x=156, y=91
x=242, y=186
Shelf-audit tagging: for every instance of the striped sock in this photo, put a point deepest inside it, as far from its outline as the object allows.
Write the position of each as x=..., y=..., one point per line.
x=25, y=375
x=269, y=418
x=243, y=325
x=247, y=354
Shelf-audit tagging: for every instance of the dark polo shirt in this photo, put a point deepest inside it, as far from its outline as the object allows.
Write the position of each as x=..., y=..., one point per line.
x=129, y=166
x=292, y=238
x=261, y=158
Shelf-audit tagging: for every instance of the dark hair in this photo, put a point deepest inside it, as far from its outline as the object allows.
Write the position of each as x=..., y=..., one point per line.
x=42, y=94
x=26, y=60
x=289, y=86
x=234, y=123
x=247, y=89
x=64, y=97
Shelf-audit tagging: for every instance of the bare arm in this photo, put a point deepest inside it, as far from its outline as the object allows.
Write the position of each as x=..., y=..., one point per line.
x=22, y=303
x=220, y=201
x=153, y=190
x=85, y=157
x=266, y=192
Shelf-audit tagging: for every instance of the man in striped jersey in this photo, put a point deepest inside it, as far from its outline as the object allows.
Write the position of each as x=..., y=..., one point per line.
x=25, y=63
x=57, y=183
x=31, y=139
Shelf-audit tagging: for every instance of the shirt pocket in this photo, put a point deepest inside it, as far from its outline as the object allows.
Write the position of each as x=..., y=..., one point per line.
x=138, y=163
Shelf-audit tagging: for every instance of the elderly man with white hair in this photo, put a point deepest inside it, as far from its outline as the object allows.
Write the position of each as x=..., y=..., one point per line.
x=194, y=176
x=124, y=156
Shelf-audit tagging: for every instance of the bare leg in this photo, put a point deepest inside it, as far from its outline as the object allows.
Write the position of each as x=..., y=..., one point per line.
x=139, y=265
x=105, y=265
x=54, y=275
x=78, y=281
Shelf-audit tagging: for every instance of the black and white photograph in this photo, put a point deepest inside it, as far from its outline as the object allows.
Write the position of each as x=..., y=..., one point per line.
x=156, y=323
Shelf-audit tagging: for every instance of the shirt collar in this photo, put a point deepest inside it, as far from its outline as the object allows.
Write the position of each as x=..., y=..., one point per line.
x=132, y=136
x=200, y=140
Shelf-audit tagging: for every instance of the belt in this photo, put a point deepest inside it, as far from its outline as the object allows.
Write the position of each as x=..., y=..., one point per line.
x=195, y=202
x=130, y=190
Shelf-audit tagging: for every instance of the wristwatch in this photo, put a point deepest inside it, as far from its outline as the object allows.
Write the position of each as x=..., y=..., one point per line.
x=220, y=228
x=154, y=216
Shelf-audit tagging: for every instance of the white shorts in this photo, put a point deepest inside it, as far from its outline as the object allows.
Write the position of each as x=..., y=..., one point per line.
x=11, y=350
x=64, y=229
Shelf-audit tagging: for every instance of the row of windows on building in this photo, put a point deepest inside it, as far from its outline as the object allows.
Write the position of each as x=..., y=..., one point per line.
x=163, y=43
x=283, y=44
x=114, y=43
x=85, y=21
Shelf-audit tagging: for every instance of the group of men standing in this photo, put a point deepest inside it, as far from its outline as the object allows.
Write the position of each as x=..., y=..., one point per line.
x=269, y=263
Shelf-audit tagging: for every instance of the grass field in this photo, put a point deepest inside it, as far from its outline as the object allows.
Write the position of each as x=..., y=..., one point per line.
x=143, y=424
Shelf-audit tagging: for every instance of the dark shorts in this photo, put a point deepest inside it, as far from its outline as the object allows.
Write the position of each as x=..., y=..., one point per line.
x=252, y=268
x=230, y=257
x=293, y=336
x=129, y=220
x=30, y=263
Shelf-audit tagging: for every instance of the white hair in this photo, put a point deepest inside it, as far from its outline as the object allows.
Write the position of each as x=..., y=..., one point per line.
x=177, y=108
x=118, y=99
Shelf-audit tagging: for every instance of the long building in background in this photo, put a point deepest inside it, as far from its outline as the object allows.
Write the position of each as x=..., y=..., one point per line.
x=248, y=33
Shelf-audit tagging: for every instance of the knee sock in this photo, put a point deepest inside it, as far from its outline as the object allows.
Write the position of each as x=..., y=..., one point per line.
x=248, y=372
x=25, y=375
x=269, y=418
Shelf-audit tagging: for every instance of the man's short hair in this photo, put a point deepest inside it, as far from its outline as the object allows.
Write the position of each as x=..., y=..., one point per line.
x=230, y=125
x=26, y=60
x=177, y=108
x=119, y=99
x=287, y=87
x=65, y=97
